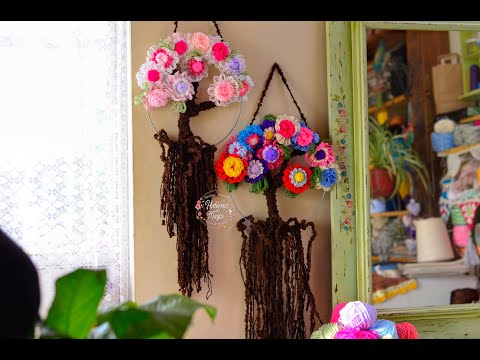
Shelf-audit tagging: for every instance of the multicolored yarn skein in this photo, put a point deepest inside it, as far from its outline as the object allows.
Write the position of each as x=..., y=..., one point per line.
x=357, y=320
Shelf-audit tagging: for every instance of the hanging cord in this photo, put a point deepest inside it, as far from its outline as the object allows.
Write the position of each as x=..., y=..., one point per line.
x=175, y=23
x=275, y=66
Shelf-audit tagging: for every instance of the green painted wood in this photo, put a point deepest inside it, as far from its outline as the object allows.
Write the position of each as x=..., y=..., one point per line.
x=339, y=83
x=351, y=257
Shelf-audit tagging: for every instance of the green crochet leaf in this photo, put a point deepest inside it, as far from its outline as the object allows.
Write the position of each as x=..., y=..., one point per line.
x=165, y=44
x=138, y=100
x=194, y=53
x=259, y=186
x=311, y=149
x=179, y=106
x=270, y=117
x=316, y=174
x=287, y=151
x=230, y=187
x=290, y=194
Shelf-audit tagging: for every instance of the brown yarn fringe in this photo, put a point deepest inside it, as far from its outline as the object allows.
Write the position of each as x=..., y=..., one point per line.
x=189, y=174
x=276, y=273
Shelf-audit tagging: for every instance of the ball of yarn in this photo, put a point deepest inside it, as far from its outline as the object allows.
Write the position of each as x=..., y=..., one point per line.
x=385, y=329
x=336, y=312
x=326, y=331
x=444, y=126
x=356, y=314
x=356, y=334
x=405, y=330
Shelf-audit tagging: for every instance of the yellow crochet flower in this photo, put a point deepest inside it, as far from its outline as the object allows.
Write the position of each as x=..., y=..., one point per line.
x=233, y=166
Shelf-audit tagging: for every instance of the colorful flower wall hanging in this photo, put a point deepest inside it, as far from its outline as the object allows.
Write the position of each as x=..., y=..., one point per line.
x=170, y=76
x=274, y=266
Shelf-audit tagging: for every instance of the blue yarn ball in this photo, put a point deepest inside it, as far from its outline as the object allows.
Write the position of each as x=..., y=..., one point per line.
x=385, y=329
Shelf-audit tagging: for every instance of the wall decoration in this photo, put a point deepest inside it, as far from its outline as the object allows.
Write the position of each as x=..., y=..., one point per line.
x=171, y=75
x=275, y=268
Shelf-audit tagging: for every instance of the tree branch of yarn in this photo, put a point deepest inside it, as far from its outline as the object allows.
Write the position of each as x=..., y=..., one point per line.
x=275, y=272
x=189, y=174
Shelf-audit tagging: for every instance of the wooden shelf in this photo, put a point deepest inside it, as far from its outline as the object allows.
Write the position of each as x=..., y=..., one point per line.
x=458, y=150
x=470, y=119
x=471, y=95
x=390, y=213
x=395, y=101
x=375, y=259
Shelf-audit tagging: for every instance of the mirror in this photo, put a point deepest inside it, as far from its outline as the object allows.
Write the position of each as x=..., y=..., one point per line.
x=423, y=92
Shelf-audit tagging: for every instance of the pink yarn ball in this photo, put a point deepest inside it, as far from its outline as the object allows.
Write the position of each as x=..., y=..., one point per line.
x=461, y=233
x=358, y=315
x=356, y=334
x=336, y=312
x=406, y=330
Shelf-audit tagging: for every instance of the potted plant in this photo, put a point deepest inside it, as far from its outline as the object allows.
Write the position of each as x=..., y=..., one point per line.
x=392, y=162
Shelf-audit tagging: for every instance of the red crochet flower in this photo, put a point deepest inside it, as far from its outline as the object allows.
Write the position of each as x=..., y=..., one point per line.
x=231, y=168
x=297, y=178
x=220, y=51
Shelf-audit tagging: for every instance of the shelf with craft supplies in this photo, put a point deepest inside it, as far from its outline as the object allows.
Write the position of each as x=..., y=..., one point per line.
x=471, y=95
x=469, y=119
x=376, y=259
x=458, y=150
x=390, y=213
x=395, y=101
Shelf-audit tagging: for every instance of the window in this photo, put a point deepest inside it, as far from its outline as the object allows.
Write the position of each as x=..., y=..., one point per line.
x=64, y=184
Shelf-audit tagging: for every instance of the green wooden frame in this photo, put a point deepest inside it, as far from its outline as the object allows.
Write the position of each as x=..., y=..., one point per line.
x=350, y=201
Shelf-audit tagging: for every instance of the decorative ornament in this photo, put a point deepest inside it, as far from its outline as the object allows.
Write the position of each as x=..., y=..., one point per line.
x=275, y=268
x=170, y=75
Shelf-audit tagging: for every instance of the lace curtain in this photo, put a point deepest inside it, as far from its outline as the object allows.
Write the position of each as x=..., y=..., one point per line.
x=64, y=148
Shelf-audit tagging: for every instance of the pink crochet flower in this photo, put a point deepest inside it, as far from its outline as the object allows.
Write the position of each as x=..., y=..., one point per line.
x=220, y=51
x=286, y=127
x=200, y=41
x=166, y=59
x=305, y=137
x=322, y=157
x=181, y=47
x=223, y=90
x=244, y=89
x=153, y=75
x=157, y=98
x=197, y=68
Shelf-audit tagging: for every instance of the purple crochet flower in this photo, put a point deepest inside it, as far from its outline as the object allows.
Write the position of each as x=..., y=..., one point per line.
x=256, y=170
x=235, y=65
x=267, y=123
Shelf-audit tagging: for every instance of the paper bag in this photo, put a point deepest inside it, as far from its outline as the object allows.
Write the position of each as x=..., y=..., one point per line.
x=447, y=84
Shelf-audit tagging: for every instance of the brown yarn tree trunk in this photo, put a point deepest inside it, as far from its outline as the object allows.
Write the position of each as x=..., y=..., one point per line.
x=275, y=272
x=189, y=174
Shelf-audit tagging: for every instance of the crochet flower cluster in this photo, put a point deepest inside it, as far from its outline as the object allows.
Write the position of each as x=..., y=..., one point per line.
x=260, y=149
x=175, y=63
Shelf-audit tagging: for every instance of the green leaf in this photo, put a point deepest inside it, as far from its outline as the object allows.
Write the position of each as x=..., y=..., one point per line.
x=311, y=149
x=146, y=87
x=165, y=44
x=270, y=117
x=316, y=174
x=230, y=187
x=194, y=53
x=164, y=317
x=138, y=100
x=287, y=151
x=259, y=186
x=290, y=194
x=179, y=106
x=77, y=297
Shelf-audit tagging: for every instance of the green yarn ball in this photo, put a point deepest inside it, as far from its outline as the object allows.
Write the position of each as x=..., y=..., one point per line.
x=326, y=331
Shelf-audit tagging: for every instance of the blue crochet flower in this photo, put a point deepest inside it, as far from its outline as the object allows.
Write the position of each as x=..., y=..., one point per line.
x=251, y=137
x=328, y=178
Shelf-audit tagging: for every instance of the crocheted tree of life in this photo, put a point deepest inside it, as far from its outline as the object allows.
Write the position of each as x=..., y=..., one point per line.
x=273, y=264
x=170, y=76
